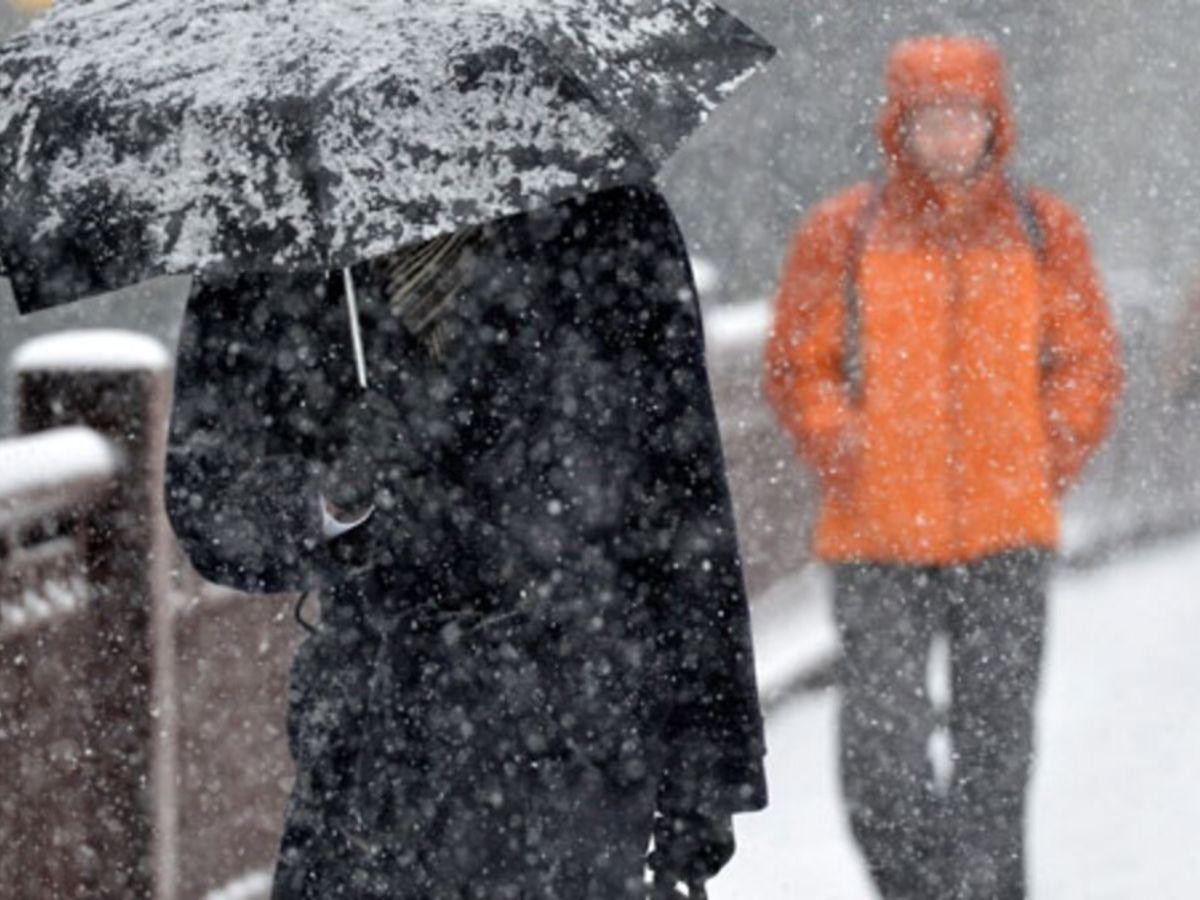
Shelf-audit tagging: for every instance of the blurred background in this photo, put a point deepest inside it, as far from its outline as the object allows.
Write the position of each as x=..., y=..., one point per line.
x=1105, y=92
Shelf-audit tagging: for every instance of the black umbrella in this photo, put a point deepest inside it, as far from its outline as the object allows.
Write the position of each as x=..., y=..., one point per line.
x=149, y=137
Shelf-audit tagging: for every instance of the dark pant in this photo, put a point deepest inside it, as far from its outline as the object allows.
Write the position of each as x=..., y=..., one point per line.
x=923, y=841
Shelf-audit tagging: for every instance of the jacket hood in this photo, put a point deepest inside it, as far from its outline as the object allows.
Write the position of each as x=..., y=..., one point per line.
x=939, y=69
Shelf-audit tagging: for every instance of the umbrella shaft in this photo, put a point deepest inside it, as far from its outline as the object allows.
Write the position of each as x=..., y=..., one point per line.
x=360, y=356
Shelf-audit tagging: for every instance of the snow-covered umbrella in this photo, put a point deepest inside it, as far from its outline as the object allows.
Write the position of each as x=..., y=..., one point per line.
x=149, y=137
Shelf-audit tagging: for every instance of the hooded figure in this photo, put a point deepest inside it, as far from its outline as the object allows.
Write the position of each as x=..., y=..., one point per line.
x=534, y=646
x=943, y=355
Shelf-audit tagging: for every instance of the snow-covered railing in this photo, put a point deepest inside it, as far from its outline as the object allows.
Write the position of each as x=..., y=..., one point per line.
x=37, y=471
x=142, y=745
x=92, y=350
x=49, y=483
x=83, y=569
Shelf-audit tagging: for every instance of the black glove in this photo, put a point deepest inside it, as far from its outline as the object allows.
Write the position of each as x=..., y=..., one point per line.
x=690, y=849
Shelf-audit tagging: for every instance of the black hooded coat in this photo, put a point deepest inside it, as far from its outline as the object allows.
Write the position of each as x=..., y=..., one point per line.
x=540, y=638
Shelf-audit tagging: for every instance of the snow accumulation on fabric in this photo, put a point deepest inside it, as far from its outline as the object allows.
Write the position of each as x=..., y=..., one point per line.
x=499, y=108
x=48, y=460
x=90, y=350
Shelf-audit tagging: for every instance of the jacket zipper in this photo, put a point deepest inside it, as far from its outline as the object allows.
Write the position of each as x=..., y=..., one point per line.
x=954, y=395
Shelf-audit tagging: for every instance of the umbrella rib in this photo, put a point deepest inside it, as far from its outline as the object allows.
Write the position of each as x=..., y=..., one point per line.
x=413, y=288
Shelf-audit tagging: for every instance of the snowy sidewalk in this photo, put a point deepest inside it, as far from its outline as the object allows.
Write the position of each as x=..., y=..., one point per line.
x=1116, y=803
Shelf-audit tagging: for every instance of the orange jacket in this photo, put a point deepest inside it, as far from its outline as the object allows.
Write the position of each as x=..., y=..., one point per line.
x=990, y=370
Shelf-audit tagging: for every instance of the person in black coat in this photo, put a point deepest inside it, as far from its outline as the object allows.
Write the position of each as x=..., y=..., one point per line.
x=534, y=647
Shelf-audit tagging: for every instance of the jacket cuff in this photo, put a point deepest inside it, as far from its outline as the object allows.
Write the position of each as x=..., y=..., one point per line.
x=713, y=781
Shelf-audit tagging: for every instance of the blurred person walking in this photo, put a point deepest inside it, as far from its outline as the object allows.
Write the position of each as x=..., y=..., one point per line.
x=943, y=355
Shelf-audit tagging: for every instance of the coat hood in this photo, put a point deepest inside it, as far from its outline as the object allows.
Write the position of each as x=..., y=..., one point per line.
x=939, y=69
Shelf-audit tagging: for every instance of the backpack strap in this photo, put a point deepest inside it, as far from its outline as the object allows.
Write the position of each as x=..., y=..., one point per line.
x=1035, y=233
x=853, y=366
x=1030, y=221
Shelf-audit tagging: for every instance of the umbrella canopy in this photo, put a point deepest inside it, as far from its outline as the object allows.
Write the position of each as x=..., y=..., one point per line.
x=149, y=137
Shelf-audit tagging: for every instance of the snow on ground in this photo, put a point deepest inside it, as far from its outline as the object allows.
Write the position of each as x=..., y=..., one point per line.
x=793, y=631
x=1116, y=798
